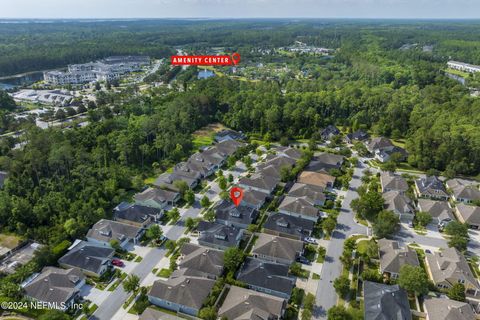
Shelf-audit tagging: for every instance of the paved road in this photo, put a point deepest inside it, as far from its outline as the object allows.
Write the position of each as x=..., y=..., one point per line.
x=326, y=296
x=115, y=300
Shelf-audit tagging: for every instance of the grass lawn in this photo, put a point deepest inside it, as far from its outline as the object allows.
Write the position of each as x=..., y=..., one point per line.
x=9, y=241
x=315, y=276
x=204, y=136
x=164, y=273
x=399, y=143
x=362, y=246
x=138, y=259
x=458, y=72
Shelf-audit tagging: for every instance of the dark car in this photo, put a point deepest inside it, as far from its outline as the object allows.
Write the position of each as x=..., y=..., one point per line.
x=303, y=260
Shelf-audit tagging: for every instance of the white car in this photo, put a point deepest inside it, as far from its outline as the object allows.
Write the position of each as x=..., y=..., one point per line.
x=310, y=240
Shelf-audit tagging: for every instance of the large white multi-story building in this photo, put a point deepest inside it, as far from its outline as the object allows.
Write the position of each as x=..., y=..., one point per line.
x=107, y=69
x=463, y=66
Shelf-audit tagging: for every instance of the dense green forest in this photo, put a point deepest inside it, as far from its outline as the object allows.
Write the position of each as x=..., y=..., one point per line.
x=40, y=45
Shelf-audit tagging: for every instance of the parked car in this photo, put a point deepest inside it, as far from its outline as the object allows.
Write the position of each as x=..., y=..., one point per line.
x=303, y=260
x=428, y=251
x=117, y=262
x=310, y=240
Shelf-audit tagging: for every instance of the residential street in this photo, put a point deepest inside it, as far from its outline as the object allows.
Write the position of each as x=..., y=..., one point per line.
x=116, y=299
x=326, y=296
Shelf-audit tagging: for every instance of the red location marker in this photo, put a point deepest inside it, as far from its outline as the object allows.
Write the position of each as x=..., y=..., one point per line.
x=236, y=194
x=236, y=58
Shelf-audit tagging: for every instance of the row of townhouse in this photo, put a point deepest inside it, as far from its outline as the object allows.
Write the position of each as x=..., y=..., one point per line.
x=445, y=267
x=432, y=197
x=382, y=301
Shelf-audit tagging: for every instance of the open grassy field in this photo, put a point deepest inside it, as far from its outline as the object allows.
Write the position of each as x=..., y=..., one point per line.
x=9, y=241
x=204, y=136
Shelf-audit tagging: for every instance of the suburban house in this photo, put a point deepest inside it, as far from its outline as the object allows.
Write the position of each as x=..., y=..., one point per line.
x=241, y=304
x=468, y=214
x=400, y=204
x=385, y=302
x=277, y=249
x=448, y=267
x=430, y=187
x=288, y=226
x=267, y=277
x=58, y=288
x=314, y=194
x=298, y=207
x=320, y=179
x=463, y=191
x=288, y=152
x=169, y=180
x=275, y=163
x=378, y=144
x=329, y=132
x=440, y=211
x=229, y=147
x=259, y=182
x=135, y=214
x=393, y=257
x=392, y=182
x=154, y=314
x=254, y=199
x=447, y=309
x=3, y=177
x=358, y=135
x=90, y=259
x=240, y=217
x=386, y=154
x=105, y=231
x=228, y=135
x=325, y=162
x=201, y=259
x=156, y=198
x=218, y=236
x=182, y=294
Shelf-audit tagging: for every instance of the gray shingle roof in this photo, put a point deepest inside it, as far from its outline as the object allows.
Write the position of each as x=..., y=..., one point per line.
x=392, y=257
x=187, y=291
x=449, y=265
x=437, y=209
x=384, y=302
x=379, y=143
x=260, y=181
x=217, y=234
x=393, y=182
x=446, y=309
x=324, y=162
x=311, y=192
x=470, y=214
x=153, y=314
x=298, y=206
x=244, y=304
x=289, y=225
x=277, y=247
x=55, y=285
x=87, y=257
x=201, y=259
x=266, y=275
x=254, y=197
x=464, y=189
x=159, y=196
x=398, y=202
x=136, y=213
x=431, y=186
x=107, y=230
x=227, y=211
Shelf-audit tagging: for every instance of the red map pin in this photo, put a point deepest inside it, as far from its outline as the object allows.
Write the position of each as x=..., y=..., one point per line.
x=236, y=58
x=236, y=194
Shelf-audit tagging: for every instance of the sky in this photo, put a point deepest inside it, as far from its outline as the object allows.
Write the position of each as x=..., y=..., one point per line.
x=429, y=9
